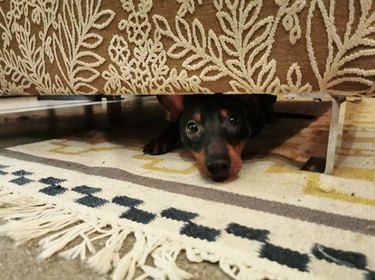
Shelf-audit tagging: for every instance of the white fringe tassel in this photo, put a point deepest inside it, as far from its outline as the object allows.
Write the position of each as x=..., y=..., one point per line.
x=27, y=219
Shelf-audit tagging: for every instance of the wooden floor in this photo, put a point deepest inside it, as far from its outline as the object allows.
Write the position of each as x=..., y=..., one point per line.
x=26, y=120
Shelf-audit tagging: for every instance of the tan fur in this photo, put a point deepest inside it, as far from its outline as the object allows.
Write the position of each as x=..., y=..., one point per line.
x=235, y=158
x=224, y=113
x=197, y=117
x=200, y=157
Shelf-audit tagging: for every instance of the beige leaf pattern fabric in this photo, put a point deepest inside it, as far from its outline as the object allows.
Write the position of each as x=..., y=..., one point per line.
x=187, y=46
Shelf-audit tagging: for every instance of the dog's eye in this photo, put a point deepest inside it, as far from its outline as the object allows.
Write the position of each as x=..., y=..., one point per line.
x=191, y=127
x=234, y=120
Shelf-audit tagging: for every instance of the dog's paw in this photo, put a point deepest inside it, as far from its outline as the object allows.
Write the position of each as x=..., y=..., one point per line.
x=156, y=147
x=164, y=143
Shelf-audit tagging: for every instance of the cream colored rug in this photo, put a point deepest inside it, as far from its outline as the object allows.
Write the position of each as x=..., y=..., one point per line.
x=273, y=222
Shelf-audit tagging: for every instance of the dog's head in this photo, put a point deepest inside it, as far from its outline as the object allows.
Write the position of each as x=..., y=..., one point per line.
x=215, y=129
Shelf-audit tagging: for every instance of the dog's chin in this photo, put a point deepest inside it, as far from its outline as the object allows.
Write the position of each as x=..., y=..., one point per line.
x=219, y=179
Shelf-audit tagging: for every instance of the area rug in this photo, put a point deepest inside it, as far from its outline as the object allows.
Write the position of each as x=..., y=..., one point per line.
x=84, y=195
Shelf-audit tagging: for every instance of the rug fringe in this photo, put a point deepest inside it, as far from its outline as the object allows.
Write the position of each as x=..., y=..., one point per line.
x=165, y=257
x=26, y=219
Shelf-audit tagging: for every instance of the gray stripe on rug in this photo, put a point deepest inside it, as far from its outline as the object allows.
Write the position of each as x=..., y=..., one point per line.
x=273, y=207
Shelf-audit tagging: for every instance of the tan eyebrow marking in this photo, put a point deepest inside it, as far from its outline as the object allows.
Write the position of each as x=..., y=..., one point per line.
x=197, y=117
x=224, y=113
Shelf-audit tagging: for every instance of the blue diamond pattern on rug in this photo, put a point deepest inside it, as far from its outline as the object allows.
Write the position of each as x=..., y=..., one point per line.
x=21, y=181
x=350, y=259
x=91, y=201
x=1, y=169
x=86, y=189
x=248, y=233
x=370, y=275
x=54, y=190
x=285, y=256
x=139, y=216
x=201, y=232
x=51, y=181
x=179, y=215
x=22, y=173
x=127, y=201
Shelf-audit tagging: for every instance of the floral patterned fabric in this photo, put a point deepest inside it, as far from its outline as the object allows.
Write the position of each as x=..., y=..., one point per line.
x=187, y=46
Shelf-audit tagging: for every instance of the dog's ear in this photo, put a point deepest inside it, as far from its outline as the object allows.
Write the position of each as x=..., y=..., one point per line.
x=173, y=104
x=256, y=115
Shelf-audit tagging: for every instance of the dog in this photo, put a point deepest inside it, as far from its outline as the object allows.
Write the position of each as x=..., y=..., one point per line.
x=215, y=129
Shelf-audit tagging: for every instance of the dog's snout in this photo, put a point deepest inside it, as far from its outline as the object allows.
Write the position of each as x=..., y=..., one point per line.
x=219, y=168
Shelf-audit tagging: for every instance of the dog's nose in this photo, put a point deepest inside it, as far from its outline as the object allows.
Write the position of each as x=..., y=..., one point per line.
x=219, y=168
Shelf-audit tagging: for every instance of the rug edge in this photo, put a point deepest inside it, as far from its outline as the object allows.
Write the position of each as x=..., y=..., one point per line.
x=26, y=218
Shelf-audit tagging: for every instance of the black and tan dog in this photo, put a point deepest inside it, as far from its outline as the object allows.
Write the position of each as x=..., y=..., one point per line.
x=214, y=128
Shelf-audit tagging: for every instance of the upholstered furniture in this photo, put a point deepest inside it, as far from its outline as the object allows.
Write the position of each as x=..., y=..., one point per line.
x=318, y=48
